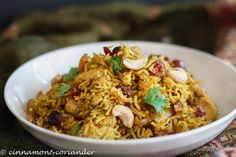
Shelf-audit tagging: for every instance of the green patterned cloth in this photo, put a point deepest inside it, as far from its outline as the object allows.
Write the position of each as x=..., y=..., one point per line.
x=40, y=32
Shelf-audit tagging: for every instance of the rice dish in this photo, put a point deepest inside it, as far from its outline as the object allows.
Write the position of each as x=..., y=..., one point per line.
x=122, y=94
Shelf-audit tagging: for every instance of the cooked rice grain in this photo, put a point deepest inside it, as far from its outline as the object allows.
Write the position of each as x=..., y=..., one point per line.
x=97, y=89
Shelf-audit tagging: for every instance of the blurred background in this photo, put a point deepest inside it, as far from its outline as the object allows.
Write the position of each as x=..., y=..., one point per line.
x=13, y=8
x=31, y=27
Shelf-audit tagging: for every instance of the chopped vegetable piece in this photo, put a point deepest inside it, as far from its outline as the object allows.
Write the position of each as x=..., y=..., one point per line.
x=116, y=64
x=55, y=118
x=75, y=129
x=62, y=89
x=157, y=68
x=152, y=98
x=71, y=75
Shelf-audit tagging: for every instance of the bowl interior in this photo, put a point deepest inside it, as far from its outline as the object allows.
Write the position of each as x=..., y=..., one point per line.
x=218, y=78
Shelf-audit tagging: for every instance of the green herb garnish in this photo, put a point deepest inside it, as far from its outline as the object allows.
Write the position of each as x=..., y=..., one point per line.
x=71, y=74
x=159, y=102
x=116, y=64
x=62, y=89
x=75, y=129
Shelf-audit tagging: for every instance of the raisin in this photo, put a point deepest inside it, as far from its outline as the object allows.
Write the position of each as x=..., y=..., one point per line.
x=125, y=90
x=178, y=63
x=200, y=112
x=166, y=58
x=115, y=50
x=55, y=118
x=75, y=92
x=107, y=51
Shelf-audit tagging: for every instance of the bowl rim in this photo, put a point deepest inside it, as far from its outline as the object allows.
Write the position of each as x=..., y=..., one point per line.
x=63, y=136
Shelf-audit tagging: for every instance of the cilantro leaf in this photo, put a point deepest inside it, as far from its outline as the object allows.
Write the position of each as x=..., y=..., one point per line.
x=116, y=64
x=75, y=129
x=151, y=95
x=62, y=89
x=152, y=98
x=71, y=74
x=160, y=103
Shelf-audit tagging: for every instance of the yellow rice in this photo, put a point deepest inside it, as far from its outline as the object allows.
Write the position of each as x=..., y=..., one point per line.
x=99, y=92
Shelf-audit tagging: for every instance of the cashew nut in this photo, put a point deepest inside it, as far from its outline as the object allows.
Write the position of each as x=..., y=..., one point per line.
x=125, y=114
x=135, y=64
x=178, y=75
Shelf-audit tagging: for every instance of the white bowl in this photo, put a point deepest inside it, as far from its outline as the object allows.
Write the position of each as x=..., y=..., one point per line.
x=218, y=78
